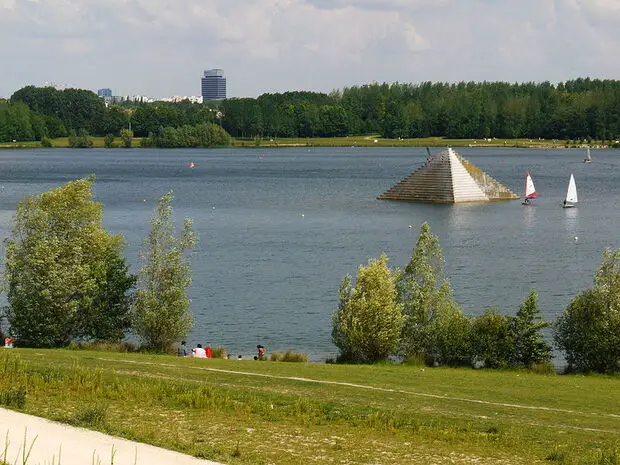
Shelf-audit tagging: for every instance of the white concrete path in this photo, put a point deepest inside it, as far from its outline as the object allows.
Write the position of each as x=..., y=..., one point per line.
x=51, y=443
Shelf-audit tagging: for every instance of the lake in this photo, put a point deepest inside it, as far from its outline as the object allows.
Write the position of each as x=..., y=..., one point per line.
x=279, y=228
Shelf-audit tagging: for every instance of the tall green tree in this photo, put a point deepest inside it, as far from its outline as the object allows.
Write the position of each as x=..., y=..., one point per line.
x=588, y=332
x=161, y=313
x=427, y=302
x=367, y=325
x=529, y=346
x=64, y=274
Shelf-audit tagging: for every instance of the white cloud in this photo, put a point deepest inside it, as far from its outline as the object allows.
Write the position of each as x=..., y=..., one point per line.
x=160, y=47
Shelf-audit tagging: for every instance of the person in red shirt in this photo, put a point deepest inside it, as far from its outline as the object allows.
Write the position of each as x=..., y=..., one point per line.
x=209, y=352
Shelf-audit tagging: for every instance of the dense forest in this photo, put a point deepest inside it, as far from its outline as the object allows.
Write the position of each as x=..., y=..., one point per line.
x=582, y=108
x=577, y=109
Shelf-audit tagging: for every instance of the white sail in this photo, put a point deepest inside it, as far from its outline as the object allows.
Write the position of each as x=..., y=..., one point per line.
x=588, y=157
x=571, y=193
x=530, y=190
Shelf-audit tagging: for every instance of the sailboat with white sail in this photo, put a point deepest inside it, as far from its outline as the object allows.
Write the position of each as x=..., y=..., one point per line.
x=530, y=190
x=588, y=158
x=571, y=194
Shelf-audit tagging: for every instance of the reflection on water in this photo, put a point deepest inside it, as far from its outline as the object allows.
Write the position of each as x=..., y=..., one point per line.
x=571, y=223
x=529, y=215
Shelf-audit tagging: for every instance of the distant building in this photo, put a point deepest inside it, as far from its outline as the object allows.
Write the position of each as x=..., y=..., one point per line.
x=182, y=98
x=213, y=85
x=104, y=92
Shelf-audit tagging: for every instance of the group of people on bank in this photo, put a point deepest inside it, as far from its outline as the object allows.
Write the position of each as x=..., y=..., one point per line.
x=207, y=352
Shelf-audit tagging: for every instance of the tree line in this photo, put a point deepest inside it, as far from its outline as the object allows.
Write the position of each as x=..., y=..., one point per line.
x=579, y=109
x=35, y=113
x=412, y=314
x=67, y=279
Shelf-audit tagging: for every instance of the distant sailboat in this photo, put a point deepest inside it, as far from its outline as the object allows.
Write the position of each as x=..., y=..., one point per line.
x=571, y=194
x=530, y=190
x=588, y=158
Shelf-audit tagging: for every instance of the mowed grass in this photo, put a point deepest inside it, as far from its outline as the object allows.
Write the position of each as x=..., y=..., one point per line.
x=251, y=412
x=377, y=141
x=348, y=141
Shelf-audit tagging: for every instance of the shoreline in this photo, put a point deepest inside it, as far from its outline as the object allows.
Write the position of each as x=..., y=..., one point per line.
x=352, y=142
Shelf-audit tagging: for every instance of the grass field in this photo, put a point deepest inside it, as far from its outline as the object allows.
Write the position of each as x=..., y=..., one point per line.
x=349, y=141
x=247, y=412
x=376, y=141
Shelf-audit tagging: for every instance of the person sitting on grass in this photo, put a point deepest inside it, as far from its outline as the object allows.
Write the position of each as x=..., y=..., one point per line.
x=199, y=352
x=261, y=352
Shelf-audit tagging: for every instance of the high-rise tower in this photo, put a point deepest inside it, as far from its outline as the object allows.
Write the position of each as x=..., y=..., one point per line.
x=213, y=85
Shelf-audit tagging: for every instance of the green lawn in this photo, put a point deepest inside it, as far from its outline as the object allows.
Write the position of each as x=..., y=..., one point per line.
x=376, y=141
x=250, y=412
x=349, y=141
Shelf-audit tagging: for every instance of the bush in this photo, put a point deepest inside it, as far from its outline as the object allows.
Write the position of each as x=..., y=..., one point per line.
x=220, y=352
x=46, y=142
x=13, y=397
x=288, y=356
x=588, y=332
x=90, y=415
x=108, y=141
x=127, y=137
x=491, y=342
x=101, y=346
x=81, y=140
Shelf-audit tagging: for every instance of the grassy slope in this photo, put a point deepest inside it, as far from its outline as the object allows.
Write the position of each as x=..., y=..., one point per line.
x=417, y=416
x=350, y=141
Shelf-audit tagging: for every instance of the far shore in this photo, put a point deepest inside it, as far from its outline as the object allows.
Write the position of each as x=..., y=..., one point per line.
x=355, y=141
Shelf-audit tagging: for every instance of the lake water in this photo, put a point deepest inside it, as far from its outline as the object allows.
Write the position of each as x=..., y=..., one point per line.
x=280, y=228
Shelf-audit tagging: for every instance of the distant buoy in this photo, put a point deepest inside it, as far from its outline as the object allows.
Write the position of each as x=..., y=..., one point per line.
x=302, y=215
x=410, y=226
x=144, y=200
x=576, y=238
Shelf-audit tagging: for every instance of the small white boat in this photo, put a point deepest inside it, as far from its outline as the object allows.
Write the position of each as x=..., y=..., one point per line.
x=588, y=158
x=571, y=194
x=530, y=190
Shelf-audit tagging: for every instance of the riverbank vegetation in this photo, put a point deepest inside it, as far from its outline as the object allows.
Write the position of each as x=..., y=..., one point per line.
x=246, y=412
x=67, y=280
x=580, y=109
x=411, y=314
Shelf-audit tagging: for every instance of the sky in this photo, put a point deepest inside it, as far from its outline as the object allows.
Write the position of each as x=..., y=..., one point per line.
x=160, y=48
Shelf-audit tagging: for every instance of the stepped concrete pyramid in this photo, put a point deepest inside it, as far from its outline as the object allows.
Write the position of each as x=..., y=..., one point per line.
x=448, y=178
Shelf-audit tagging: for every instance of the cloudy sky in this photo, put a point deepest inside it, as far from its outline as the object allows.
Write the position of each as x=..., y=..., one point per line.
x=160, y=47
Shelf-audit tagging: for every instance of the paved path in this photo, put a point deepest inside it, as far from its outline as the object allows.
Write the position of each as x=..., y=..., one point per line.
x=51, y=443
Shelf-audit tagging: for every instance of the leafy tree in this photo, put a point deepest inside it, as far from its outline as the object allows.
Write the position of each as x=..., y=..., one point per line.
x=588, y=332
x=366, y=327
x=127, y=137
x=161, y=309
x=108, y=141
x=81, y=140
x=108, y=317
x=525, y=327
x=427, y=300
x=491, y=341
x=59, y=265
